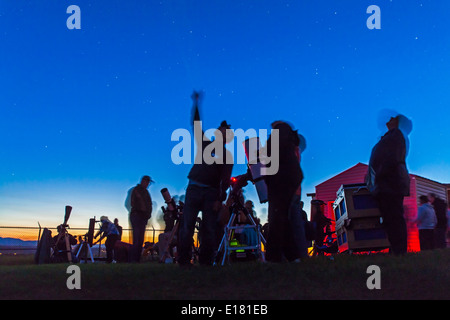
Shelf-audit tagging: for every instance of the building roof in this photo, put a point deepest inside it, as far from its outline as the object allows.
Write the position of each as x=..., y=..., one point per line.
x=326, y=191
x=355, y=174
x=356, y=169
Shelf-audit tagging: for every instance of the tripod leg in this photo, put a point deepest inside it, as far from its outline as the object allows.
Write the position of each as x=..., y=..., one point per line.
x=260, y=237
x=227, y=237
x=90, y=253
x=225, y=252
x=79, y=250
x=249, y=216
x=166, y=246
x=230, y=223
x=68, y=248
x=220, y=247
x=222, y=242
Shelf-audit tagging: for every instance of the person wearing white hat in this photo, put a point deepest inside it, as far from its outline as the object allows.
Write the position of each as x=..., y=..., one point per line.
x=388, y=179
x=108, y=230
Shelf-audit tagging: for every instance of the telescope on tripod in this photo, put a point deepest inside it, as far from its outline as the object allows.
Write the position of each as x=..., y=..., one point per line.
x=86, y=243
x=254, y=239
x=172, y=218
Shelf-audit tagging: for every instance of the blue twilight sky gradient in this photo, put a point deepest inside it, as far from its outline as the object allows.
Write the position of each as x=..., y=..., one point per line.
x=85, y=113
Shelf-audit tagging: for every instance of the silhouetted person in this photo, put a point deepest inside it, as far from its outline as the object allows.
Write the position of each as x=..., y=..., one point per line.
x=108, y=230
x=61, y=254
x=119, y=228
x=249, y=206
x=303, y=212
x=426, y=222
x=307, y=226
x=321, y=223
x=440, y=208
x=284, y=202
x=141, y=211
x=208, y=182
x=388, y=180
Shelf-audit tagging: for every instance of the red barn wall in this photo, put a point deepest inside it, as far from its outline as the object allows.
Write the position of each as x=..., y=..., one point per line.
x=410, y=214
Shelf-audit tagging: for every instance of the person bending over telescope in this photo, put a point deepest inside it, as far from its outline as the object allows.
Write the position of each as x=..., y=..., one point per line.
x=108, y=230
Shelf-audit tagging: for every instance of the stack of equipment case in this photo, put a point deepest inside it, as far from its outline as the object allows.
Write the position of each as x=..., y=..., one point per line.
x=358, y=220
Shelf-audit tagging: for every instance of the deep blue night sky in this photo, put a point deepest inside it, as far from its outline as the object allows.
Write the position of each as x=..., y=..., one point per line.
x=85, y=113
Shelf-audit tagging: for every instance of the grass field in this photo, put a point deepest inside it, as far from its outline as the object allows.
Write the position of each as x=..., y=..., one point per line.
x=424, y=275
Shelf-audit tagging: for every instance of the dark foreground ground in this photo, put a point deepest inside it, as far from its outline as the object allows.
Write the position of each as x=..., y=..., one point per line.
x=423, y=275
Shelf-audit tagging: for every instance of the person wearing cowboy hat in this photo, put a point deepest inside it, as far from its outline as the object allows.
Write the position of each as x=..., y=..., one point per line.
x=388, y=178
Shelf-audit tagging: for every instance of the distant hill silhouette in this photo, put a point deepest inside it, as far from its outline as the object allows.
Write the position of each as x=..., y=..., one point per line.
x=13, y=242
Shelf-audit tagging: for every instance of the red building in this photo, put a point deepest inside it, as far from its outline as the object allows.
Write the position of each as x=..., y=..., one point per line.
x=326, y=191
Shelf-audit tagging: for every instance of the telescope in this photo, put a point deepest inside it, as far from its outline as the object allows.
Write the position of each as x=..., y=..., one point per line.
x=63, y=237
x=252, y=148
x=87, y=242
x=172, y=219
x=171, y=206
x=68, y=211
